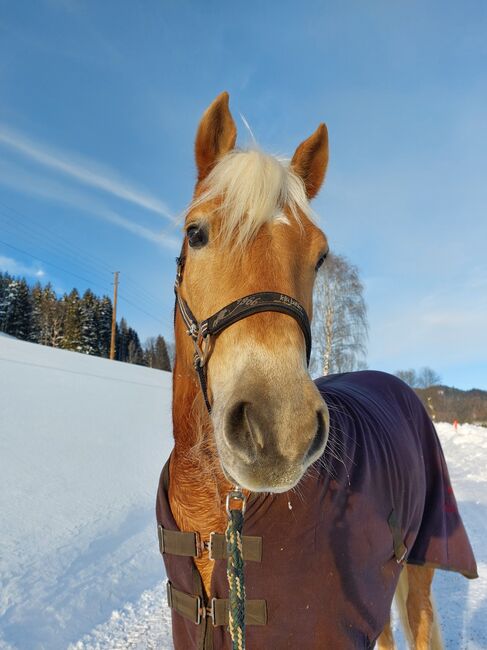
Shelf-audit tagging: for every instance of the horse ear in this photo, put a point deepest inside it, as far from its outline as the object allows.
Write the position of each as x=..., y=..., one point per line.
x=216, y=135
x=310, y=160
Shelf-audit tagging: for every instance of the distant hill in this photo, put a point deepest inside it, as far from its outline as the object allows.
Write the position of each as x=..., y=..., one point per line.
x=446, y=404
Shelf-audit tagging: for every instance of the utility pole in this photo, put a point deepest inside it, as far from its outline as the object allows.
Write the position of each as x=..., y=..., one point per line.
x=114, y=314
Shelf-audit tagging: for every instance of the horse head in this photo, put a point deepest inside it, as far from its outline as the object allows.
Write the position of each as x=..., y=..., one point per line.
x=249, y=229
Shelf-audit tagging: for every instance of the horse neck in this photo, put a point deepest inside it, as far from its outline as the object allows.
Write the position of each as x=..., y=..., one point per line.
x=197, y=487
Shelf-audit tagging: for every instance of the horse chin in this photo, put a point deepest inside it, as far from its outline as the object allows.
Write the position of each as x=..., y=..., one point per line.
x=253, y=482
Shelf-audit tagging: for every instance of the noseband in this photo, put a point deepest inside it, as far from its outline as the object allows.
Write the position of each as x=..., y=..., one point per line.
x=202, y=332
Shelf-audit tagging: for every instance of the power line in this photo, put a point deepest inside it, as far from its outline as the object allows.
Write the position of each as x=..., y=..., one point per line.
x=84, y=267
x=45, y=234
x=59, y=268
x=79, y=277
x=159, y=320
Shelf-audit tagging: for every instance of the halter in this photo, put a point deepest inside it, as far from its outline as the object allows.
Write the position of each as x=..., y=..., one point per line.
x=202, y=332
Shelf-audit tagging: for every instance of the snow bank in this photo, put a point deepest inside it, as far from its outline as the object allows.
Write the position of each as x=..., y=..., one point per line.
x=82, y=443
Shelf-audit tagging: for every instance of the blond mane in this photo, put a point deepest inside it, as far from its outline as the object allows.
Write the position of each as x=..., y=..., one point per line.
x=253, y=188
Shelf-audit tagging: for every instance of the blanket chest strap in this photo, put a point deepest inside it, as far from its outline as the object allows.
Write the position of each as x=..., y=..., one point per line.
x=175, y=542
x=193, y=609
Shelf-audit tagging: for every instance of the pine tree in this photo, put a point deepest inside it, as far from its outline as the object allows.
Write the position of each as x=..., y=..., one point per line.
x=16, y=309
x=36, y=314
x=72, y=322
x=5, y=280
x=135, y=352
x=89, y=325
x=51, y=318
x=122, y=341
x=156, y=354
x=104, y=326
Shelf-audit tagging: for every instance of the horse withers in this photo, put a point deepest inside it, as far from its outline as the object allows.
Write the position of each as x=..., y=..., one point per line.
x=348, y=495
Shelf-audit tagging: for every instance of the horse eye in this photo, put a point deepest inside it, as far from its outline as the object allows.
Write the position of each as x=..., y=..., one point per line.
x=319, y=263
x=197, y=236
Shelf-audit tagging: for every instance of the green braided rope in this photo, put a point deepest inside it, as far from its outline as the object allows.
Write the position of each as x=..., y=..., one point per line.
x=235, y=575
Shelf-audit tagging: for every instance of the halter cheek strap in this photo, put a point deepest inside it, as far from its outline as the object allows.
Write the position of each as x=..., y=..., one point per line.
x=201, y=332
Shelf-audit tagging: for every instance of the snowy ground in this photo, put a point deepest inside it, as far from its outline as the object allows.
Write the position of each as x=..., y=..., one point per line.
x=82, y=442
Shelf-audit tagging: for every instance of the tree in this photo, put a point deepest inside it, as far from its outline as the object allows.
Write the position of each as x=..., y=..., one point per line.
x=46, y=316
x=104, y=326
x=339, y=325
x=135, y=352
x=156, y=353
x=122, y=341
x=72, y=339
x=36, y=314
x=424, y=378
x=89, y=323
x=128, y=346
x=428, y=377
x=5, y=280
x=16, y=309
x=408, y=376
x=73, y=323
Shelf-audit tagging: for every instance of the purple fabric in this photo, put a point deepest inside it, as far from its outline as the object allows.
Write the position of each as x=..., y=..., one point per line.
x=328, y=571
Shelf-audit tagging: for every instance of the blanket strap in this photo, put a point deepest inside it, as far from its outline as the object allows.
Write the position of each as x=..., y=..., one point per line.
x=193, y=609
x=400, y=548
x=175, y=542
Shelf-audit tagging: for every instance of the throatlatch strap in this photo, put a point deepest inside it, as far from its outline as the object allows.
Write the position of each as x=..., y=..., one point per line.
x=201, y=372
x=193, y=609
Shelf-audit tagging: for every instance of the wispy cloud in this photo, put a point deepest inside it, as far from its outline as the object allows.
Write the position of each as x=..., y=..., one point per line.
x=84, y=171
x=48, y=189
x=14, y=267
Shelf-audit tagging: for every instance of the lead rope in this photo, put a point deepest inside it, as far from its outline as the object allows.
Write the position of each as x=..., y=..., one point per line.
x=235, y=569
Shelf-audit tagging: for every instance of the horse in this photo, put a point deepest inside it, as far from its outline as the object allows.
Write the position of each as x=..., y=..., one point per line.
x=329, y=535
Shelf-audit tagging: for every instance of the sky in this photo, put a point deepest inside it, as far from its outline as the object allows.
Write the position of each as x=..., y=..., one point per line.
x=99, y=103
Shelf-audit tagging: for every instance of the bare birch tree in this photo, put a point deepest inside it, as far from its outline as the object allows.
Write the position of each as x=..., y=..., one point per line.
x=339, y=325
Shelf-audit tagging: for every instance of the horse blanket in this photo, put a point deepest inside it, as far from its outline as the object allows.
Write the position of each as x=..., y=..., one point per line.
x=331, y=550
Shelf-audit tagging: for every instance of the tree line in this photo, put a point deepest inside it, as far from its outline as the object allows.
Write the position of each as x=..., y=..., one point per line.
x=81, y=323
x=422, y=378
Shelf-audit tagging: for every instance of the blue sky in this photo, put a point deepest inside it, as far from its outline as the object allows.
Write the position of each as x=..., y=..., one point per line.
x=99, y=106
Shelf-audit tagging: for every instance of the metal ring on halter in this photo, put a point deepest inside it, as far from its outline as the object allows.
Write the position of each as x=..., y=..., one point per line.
x=236, y=495
x=201, y=345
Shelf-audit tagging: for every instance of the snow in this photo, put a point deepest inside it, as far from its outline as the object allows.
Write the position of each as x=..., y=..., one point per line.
x=82, y=442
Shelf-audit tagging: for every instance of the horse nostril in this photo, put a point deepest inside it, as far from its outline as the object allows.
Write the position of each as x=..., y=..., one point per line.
x=319, y=437
x=243, y=430
x=237, y=431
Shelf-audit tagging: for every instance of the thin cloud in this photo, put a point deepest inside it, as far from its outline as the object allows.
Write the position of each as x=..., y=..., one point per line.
x=14, y=267
x=84, y=171
x=50, y=190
